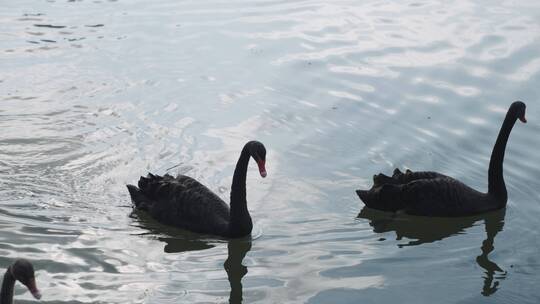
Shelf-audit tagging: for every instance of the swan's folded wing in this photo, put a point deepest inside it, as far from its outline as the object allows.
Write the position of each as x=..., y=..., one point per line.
x=400, y=178
x=410, y=176
x=182, y=202
x=443, y=196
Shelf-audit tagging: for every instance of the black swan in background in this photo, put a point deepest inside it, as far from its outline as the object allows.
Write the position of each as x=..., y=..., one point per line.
x=23, y=271
x=434, y=194
x=184, y=202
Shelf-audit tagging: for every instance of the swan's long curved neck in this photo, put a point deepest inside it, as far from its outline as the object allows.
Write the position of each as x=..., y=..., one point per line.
x=496, y=186
x=240, y=223
x=6, y=294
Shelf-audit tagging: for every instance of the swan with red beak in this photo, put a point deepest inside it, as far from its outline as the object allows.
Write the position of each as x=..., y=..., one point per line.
x=21, y=270
x=183, y=202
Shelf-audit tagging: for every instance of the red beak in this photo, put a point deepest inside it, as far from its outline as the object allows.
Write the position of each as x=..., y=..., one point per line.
x=33, y=289
x=523, y=119
x=262, y=169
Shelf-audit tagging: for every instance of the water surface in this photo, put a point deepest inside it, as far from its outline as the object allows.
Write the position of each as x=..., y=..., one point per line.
x=96, y=93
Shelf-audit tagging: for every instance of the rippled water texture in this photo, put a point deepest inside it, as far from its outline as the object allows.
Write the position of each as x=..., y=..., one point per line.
x=95, y=93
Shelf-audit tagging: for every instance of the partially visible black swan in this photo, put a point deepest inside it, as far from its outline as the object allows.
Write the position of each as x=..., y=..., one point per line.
x=23, y=271
x=434, y=194
x=184, y=202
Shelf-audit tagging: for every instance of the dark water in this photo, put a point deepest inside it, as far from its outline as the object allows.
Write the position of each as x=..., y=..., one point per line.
x=95, y=93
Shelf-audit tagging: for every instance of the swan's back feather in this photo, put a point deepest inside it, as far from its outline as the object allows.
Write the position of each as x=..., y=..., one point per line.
x=442, y=196
x=181, y=202
x=424, y=193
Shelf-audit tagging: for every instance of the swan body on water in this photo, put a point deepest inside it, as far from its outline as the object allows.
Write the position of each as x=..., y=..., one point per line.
x=434, y=194
x=185, y=203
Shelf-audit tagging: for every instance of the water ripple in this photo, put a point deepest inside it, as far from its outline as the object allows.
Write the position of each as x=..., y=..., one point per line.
x=96, y=93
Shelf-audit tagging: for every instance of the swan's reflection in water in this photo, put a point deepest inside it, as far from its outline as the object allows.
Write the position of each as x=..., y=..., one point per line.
x=175, y=239
x=421, y=230
x=233, y=266
x=494, y=222
x=178, y=240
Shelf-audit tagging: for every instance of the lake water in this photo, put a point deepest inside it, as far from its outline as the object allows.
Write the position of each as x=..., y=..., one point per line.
x=96, y=93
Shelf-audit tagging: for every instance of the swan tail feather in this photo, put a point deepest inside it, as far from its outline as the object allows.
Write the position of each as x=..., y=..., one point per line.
x=369, y=198
x=137, y=197
x=150, y=183
x=143, y=182
x=363, y=194
x=385, y=198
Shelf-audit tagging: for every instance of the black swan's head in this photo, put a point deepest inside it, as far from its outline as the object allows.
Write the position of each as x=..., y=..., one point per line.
x=258, y=152
x=23, y=271
x=518, y=108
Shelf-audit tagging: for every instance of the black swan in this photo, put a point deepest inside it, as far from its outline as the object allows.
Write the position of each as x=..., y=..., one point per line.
x=23, y=271
x=184, y=202
x=434, y=194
